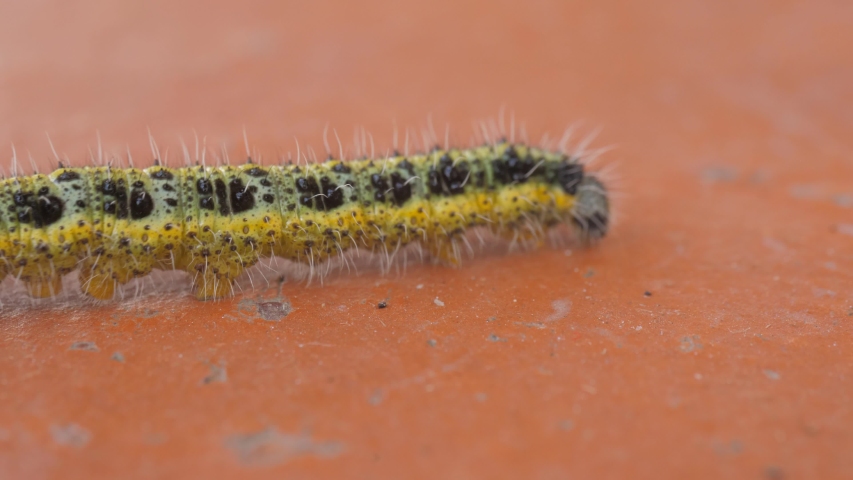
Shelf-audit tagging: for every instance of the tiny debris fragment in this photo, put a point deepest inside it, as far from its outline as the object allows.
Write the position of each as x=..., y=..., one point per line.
x=438, y=302
x=85, y=346
x=118, y=357
x=494, y=338
x=270, y=447
x=537, y=325
x=217, y=374
x=273, y=311
x=382, y=304
x=561, y=308
x=690, y=344
x=647, y=294
x=772, y=375
x=432, y=342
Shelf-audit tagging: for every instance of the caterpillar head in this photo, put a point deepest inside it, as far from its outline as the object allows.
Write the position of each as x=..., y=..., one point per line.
x=591, y=212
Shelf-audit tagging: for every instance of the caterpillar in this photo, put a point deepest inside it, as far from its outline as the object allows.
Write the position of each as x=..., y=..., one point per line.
x=115, y=224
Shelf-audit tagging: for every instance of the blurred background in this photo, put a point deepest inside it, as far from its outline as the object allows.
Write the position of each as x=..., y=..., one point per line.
x=732, y=124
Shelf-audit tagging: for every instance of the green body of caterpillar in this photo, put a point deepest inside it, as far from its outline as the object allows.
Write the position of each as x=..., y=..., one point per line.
x=115, y=224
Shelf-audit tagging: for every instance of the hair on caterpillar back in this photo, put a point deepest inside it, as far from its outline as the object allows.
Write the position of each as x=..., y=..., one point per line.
x=214, y=219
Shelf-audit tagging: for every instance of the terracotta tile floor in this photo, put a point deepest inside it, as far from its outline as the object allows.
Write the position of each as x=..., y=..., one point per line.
x=733, y=125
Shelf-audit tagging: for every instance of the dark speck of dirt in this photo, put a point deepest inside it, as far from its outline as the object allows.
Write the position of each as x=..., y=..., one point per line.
x=647, y=294
x=217, y=374
x=491, y=319
x=85, y=346
x=589, y=273
x=273, y=311
x=118, y=357
x=432, y=342
x=495, y=338
x=382, y=304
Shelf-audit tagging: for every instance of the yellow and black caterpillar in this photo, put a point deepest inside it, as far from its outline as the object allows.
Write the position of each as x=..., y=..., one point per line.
x=116, y=224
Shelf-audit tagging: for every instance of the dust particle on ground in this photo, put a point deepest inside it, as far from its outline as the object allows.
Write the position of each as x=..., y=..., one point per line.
x=85, y=346
x=217, y=374
x=271, y=447
x=690, y=344
x=273, y=311
x=561, y=309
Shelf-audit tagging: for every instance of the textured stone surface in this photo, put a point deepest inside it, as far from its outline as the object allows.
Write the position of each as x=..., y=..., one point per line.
x=708, y=336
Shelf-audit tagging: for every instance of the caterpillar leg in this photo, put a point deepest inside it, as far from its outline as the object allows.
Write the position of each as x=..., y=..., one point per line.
x=97, y=284
x=100, y=277
x=445, y=250
x=525, y=235
x=44, y=287
x=213, y=286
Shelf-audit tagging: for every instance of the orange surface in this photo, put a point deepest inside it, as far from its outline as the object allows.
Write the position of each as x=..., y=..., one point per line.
x=732, y=121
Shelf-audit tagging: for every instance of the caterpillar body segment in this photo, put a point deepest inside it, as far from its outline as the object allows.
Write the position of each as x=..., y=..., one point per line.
x=116, y=224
